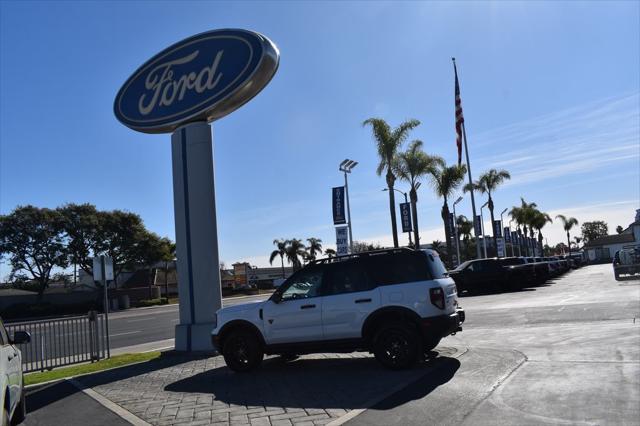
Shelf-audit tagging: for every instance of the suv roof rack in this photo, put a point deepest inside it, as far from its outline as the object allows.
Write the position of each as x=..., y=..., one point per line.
x=361, y=255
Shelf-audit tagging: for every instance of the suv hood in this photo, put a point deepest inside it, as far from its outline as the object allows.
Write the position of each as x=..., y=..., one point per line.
x=242, y=307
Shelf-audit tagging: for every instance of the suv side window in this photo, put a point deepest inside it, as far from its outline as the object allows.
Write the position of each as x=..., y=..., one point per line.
x=346, y=277
x=397, y=268
x=304, y=284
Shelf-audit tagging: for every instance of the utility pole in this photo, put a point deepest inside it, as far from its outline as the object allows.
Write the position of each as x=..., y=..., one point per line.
x=455, y=227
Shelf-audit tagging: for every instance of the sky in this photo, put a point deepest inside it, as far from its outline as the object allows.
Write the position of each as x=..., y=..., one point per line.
x=550, y=92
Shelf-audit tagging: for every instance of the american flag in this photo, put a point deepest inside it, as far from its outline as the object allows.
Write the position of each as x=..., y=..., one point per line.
x=459, y=116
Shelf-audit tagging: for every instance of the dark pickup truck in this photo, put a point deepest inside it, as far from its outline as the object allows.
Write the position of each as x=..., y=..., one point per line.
x=489, y=275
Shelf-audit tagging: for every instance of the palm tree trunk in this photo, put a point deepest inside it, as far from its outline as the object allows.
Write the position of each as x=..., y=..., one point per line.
x=445, y=220
x=414, y=212
x=569, y=242
x=392, y=208
x=282, y=262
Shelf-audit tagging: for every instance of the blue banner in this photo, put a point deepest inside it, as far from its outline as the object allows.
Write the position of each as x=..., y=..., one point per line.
x=405, y=217
x=337, y=199
x=507, y=235
x=497, y=228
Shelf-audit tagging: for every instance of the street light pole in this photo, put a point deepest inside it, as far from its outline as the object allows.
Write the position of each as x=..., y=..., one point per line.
x=504, y=240
x=455, y=229
x=406, y=201
x=346, y=166
x=484, y=240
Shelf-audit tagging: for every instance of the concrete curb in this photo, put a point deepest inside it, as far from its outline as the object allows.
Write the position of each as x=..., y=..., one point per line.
x=115, y=408
x=372, y=402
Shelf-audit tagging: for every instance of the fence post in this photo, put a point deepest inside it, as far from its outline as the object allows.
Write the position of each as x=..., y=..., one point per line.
x=92, y=335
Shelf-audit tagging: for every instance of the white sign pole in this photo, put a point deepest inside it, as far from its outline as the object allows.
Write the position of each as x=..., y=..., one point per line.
x=103, y=270
x=196, y=236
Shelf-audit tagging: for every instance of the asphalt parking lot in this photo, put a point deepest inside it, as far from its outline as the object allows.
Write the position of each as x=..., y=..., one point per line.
x=567, y=352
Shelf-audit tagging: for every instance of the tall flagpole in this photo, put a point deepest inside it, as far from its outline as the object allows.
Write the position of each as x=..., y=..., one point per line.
x=466, y=153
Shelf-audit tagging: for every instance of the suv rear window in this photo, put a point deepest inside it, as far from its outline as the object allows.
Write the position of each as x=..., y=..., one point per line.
x=436, y=267
x=397, y=268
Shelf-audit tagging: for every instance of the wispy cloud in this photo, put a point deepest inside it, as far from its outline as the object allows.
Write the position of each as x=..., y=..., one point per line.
x=572, y=141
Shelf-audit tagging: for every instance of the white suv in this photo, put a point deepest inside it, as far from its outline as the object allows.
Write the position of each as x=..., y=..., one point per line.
x=396, y=303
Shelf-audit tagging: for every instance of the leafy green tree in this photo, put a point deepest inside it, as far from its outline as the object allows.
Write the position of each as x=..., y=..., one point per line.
x=465, y=228
x=445, y=180
x=619, y=229
x=410, y=166
x=33, y=240
x=81, y=224
x=388, y=142
x=488, y=182
x=567, y=224
x=281, y=251
x=314, y=247
x=123, y=237
x=360, y=246
x=594, y=230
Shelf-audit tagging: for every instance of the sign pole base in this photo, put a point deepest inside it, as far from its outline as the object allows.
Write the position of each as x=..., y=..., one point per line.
x=196, y=236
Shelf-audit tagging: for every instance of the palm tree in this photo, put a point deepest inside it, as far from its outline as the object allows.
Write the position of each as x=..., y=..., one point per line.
x=388, y=142
x=294, y=250
x=410, y=166
x=445, y=180
x=523, y=216
x=567, y=224
x=280, y=251
x=465, y=227
x=540, y=219
x=438, y=246
x=487, y=184
x=330, y=253
x=315, y=246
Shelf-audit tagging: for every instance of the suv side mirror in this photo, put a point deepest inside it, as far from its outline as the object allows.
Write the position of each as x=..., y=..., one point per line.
x=20, y=337
x=276, y=297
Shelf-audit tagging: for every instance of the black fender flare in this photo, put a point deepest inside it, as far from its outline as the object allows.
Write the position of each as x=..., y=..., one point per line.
x=239, y=324
x=388, y=313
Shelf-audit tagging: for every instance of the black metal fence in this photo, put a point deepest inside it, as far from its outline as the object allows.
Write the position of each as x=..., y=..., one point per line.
x=62, y=341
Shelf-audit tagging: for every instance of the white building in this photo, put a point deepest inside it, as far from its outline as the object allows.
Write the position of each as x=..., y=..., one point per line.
x=603, y=249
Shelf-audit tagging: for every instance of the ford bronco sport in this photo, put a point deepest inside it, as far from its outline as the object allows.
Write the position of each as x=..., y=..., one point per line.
x=395, y=303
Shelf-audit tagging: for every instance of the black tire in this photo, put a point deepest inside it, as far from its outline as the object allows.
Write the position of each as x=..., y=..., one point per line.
x=431, y=343
x=242, y=351
x=397, y=346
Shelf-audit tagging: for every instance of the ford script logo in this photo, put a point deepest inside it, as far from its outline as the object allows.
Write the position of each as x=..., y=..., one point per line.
x=202, y=78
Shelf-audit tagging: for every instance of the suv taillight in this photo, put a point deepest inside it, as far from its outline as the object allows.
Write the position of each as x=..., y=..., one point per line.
x=437, y=297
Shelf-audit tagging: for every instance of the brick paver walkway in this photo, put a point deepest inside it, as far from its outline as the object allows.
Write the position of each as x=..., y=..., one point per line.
x=314, y=390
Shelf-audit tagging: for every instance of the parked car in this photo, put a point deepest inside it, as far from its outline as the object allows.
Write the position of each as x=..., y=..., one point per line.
x=626, y=262
x=394, y=303
x=11, y=378
x=541, y=269
x=526, y=272
x=487, y=275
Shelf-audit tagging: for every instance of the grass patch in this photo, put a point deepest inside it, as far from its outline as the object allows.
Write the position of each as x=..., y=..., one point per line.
x=114, y=361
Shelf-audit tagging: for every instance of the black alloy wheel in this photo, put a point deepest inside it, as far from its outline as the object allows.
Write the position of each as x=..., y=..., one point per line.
x=396, y=346
x=242, y=351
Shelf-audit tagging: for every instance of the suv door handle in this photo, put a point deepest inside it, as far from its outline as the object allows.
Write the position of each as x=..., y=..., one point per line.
x=307, y=306
x=363, y=300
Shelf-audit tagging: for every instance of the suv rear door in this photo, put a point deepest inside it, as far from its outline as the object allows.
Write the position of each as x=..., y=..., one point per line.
x=349, y=298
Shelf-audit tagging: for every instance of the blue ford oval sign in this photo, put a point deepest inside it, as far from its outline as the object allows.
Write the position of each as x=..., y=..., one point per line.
x=202, y=78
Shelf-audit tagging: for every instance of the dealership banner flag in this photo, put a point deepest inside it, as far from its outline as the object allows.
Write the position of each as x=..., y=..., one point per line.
x=405, y=216
x=507, y=235
x=337, y=198
x=497, y=228
x=478, y=225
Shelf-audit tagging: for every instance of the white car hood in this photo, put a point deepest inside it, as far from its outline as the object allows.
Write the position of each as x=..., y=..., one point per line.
x=243, y=307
